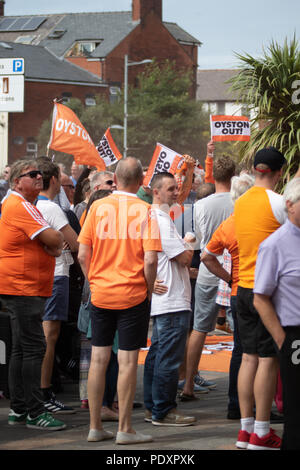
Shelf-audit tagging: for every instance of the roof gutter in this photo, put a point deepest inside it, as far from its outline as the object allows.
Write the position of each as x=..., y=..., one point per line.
x=65, y=82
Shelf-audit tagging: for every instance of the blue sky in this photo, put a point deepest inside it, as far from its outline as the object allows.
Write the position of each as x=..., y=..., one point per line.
x=222, y=26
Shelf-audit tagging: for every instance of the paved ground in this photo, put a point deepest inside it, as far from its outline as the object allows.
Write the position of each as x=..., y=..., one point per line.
x=213, y=431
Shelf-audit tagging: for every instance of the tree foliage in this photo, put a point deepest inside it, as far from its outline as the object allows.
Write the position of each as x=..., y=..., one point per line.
x=160, y=109
x=268, y=85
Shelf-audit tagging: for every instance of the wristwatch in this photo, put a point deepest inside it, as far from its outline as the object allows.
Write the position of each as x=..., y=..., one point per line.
x=230, y=283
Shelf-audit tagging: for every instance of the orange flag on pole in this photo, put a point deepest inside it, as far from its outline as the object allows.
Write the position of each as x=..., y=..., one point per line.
x=68, y=135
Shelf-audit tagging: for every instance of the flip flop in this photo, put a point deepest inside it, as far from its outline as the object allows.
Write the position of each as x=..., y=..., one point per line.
x=185, y=397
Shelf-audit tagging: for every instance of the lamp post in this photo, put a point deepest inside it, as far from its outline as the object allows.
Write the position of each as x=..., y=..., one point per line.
x=126, y=65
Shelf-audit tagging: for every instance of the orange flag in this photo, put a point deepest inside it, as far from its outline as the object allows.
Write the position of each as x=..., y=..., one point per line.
x=68, y=135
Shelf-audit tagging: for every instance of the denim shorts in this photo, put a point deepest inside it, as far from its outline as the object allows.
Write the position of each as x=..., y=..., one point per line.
x=131, y=323
x=206, y=309
x=57, y=306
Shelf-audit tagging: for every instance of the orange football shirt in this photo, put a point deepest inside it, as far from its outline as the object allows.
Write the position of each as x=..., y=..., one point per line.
x=25, y=267
x=119, y=229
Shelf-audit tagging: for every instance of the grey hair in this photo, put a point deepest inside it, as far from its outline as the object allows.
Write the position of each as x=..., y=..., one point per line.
x=97, y=177
x=240, y=184
x=292, y=191
x=18, y=168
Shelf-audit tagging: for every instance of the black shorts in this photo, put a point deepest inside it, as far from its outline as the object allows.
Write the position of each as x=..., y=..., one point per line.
x=255, y=338
x=131, y=323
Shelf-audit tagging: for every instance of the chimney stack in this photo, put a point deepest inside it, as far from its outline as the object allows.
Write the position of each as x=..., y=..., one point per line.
x=141, y=8
x=2, y=3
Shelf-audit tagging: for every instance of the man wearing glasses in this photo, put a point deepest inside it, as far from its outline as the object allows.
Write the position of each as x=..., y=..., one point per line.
x=28, y=247
x=103, y=180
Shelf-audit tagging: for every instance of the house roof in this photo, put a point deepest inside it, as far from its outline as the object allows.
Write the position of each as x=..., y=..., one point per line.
x=109, y=27
x=212, y=86
x=42, y=65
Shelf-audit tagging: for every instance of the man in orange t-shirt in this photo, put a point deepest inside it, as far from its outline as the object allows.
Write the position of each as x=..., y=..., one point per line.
x=118, y=255
x=224, y=238
x=257, y=214
x=28, y=246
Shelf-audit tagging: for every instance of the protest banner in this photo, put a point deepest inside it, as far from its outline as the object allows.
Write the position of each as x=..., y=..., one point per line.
x=164, y=159
x=68, y=135
x=108, y=150
x=228, y=128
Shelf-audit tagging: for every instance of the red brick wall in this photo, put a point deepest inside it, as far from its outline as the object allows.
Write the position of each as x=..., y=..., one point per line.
x=38, y=107
x=147, y=41
x=94, y=67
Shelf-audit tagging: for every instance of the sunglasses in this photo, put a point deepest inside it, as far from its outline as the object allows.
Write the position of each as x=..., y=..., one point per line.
x=110, y=182
x=68, y=186
x=32, y=174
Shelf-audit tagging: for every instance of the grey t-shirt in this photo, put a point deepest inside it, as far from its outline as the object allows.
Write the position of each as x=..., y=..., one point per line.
x=209, y=213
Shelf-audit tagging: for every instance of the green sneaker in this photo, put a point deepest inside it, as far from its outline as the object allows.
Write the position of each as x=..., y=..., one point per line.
x=45, y=421
x=16, y=418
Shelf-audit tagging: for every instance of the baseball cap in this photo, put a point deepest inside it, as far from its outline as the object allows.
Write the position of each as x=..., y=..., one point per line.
x=271, y=157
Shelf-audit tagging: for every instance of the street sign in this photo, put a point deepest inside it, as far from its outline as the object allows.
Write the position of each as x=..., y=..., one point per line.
x=12, y=85
x=12, y=66
x=12, y=93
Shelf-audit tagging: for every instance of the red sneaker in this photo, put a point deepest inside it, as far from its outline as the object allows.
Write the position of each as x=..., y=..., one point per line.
x=268, y=442
x=243, y=439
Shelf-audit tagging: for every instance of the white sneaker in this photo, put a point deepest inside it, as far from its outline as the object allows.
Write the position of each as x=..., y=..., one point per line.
x=95, y=435
x=130, y=438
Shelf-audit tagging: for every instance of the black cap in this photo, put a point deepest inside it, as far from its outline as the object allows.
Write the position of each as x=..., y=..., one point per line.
x=271, y=157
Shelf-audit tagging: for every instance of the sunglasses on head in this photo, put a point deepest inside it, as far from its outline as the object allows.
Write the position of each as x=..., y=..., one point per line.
x=32, y=174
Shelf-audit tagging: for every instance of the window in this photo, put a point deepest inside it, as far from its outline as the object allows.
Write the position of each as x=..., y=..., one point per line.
x=18, y=140
x=65, y=97
x=221, y=107
x=83, y=48
x=90, y=100
x=114, y=94
x=25, y=39
x=56, y=34
x=31, y=147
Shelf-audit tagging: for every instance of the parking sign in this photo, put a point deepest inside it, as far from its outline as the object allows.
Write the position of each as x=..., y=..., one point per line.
x=13, y=66
x=12, y=85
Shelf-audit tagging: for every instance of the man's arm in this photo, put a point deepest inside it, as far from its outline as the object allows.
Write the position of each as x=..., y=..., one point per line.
x=214, y=266
x=185, y=189
x=150, y=270
x=208, y=178
x=52, y=241
x=70, y=236
x=84, y=257
x=268, y=315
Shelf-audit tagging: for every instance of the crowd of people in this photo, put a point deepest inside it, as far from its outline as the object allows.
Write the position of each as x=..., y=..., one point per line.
x=87, y=260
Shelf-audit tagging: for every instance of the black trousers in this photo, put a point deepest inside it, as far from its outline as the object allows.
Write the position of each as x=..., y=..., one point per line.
x=289, y=357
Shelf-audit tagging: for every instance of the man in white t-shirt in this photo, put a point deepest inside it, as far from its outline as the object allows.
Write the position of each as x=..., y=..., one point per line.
x=170, y=311
x=56, y=307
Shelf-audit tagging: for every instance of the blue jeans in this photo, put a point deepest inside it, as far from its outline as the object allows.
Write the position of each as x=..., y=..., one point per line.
x=162, y=363
x=27, y=354
x=235, y=362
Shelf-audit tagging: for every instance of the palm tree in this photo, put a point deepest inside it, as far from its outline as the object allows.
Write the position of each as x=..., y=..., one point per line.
x=268, y=86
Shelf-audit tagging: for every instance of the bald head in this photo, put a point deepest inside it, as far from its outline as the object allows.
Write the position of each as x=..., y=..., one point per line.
x=129, y=173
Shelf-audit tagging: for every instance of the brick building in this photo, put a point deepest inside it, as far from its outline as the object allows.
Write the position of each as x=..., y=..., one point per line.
x=96, y=42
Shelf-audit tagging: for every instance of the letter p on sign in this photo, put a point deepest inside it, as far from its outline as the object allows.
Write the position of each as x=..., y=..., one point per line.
x=17, y=65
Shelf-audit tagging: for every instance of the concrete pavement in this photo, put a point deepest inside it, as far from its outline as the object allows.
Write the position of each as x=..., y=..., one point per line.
x=213, y=431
